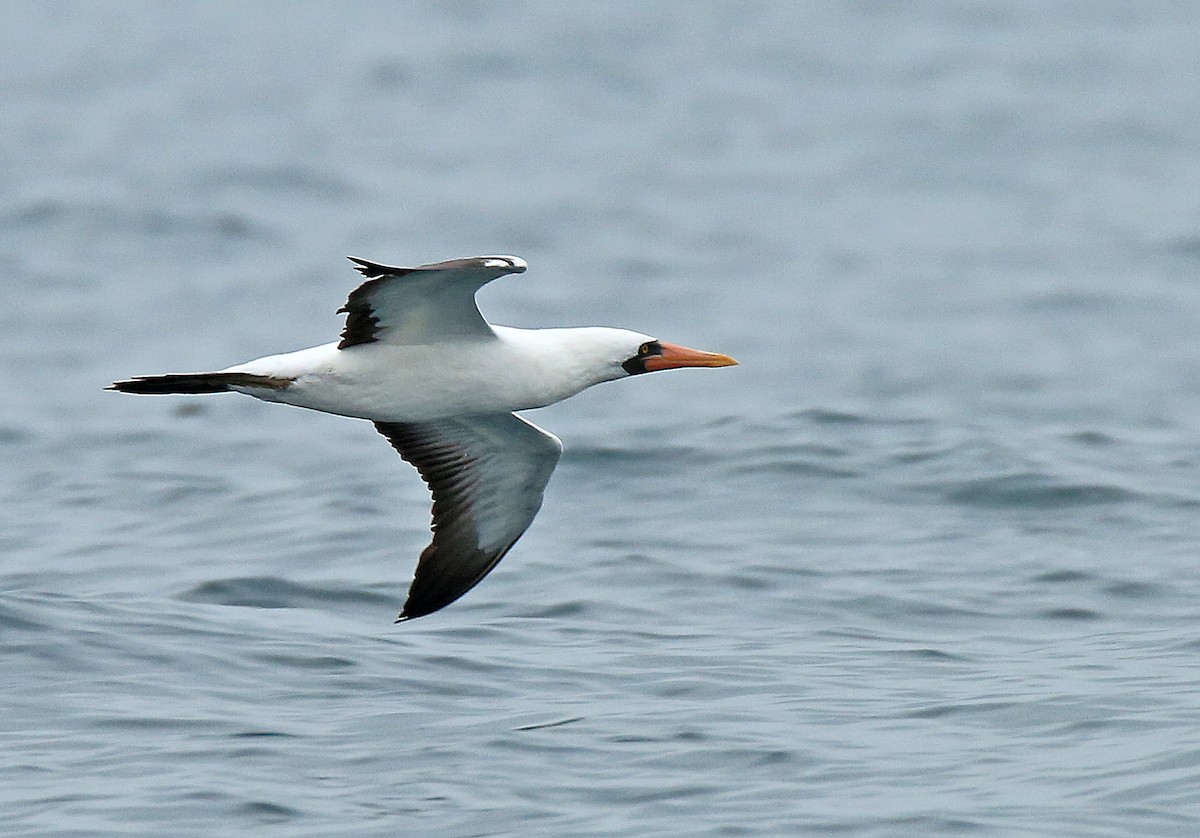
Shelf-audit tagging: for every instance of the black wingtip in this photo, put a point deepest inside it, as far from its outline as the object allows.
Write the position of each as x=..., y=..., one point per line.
x=366, y=268
x=375, y=269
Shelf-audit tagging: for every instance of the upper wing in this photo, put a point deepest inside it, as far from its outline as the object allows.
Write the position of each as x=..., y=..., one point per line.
x=487, y=475
x=421, y=305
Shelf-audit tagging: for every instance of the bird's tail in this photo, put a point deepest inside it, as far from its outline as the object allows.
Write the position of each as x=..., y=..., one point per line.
x=198, y=382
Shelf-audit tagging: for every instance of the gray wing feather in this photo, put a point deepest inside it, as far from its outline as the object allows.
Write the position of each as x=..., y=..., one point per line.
x=487, y=475
x=425, y=304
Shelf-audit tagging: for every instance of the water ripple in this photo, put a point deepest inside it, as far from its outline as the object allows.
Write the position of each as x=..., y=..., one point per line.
x=274, y=592
x=1032, y=491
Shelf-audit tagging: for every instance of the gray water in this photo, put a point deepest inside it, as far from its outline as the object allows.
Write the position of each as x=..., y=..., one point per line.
x=926, y=563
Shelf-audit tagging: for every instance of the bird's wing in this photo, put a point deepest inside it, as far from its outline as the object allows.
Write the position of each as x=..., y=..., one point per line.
x=426, y=304
x=487, y=475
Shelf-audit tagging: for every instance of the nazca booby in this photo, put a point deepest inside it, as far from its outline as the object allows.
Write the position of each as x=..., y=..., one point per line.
x=441, y=384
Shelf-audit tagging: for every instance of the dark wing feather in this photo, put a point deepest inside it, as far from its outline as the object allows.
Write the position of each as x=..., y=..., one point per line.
x=487, y=475
x=423, y=304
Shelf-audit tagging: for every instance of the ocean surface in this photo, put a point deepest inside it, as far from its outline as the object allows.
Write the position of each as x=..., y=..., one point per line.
x=926, y=563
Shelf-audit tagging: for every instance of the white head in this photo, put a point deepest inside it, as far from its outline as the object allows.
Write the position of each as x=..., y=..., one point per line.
x=602, y=354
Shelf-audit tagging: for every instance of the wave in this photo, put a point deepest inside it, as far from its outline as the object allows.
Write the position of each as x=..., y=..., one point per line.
x=274, y=592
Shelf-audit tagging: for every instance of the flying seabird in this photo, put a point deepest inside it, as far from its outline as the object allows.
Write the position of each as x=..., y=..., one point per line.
x=440, y=383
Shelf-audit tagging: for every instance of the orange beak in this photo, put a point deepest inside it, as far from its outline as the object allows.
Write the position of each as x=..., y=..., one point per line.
x=673, y=357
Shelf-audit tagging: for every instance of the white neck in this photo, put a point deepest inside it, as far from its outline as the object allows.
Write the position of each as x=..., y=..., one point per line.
x=567, y=360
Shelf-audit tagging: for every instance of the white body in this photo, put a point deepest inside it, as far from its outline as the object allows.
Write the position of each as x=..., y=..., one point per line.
x=517, y=369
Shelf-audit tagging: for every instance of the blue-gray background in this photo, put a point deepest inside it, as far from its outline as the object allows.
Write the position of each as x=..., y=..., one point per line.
x=925, y=563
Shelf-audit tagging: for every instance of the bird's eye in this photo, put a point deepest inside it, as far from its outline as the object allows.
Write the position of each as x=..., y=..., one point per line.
x=644, y=349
